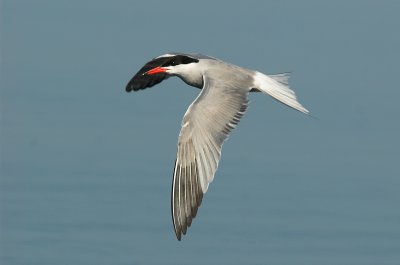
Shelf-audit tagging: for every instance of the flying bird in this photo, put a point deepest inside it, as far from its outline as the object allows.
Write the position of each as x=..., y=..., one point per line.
x=222, y=101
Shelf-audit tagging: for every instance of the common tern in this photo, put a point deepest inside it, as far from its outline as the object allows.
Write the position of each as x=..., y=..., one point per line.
x=207, y=122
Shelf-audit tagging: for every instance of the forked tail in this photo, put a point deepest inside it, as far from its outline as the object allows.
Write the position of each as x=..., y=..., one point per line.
x=277, y=86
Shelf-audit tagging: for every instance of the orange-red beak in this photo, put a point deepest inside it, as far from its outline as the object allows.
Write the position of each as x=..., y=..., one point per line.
x=156, y=70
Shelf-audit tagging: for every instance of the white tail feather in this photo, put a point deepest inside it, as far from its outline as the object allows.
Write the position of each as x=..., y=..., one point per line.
x=277, y=86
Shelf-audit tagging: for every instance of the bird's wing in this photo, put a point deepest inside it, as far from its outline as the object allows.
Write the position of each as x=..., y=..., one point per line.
x=141, y=81
x=205, y=126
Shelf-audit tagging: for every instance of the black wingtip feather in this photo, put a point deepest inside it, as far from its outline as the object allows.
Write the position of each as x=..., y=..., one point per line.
x=141, y=81
x=186, y=197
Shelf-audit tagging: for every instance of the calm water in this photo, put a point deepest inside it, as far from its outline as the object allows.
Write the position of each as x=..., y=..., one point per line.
x=86, y=168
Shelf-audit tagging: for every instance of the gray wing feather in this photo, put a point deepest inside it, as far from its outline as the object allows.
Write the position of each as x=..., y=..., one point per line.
x=205, y=126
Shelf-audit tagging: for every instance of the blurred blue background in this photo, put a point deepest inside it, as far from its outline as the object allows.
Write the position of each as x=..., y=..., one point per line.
x=86, y=168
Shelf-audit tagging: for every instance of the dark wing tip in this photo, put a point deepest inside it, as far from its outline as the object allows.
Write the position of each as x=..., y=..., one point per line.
x=186, y=197
x=178, y=235
x=128, y=88
x=141, y=80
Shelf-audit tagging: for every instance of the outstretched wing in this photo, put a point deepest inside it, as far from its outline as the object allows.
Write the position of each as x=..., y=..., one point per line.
x=205, y=126
x=140, y=81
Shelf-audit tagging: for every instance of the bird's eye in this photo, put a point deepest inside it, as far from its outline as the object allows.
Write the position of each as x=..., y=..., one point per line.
x=173, y=63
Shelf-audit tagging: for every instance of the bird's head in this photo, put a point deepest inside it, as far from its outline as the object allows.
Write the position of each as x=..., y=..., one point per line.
x=183, y=65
